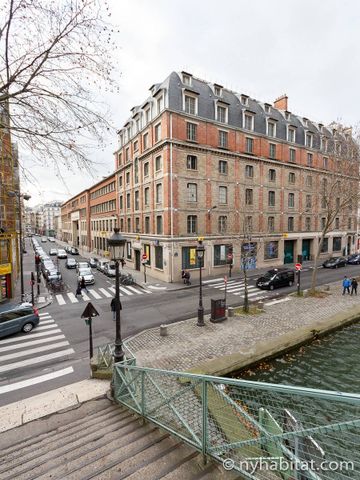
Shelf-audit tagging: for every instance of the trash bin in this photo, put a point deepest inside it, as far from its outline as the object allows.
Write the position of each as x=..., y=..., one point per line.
x=217, y=310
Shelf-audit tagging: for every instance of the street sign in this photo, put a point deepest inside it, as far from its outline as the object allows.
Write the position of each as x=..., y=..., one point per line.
x=90, y=311
x=144, y=256
x=298, y=266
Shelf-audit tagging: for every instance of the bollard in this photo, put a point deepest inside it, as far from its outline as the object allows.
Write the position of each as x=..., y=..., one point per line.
x=230, y=312
x=163, y=330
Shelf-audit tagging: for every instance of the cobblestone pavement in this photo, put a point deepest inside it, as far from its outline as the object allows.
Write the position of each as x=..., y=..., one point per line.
x=188, y=345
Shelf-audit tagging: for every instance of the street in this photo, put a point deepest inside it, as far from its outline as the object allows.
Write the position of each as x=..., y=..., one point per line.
x=57, y=352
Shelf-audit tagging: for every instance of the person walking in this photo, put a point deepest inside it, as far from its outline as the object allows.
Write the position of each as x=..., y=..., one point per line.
x=346, y=285
x=354, y=285
x=113, y=307
x=123, y=263
x=83, y=284
x=78, y=289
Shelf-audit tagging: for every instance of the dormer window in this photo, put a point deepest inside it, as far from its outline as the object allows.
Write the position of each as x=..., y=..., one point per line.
x=129, y=133
x=324, y=144
x=267, y=108
x=248, y=121
x=147, y=116
x=138, y=124
x=221, y=113
x=305, y=120
x=186, y=78
x=321, y=127
x=218, y=90
x=271, y=128
x=291, y=134
x=245, y=100
x=309, y=140
x=190, y=104
x=160, y=104
x=287, y=116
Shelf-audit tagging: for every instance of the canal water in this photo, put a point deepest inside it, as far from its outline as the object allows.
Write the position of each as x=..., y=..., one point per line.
x=329, y=363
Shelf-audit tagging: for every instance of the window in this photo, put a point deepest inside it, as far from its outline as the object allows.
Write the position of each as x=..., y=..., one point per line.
x=128, y=202
x=145, y=141
x=291, y=135
x=129, y=224
x=158, y=163
x=249, y=196
x=291, y=200
x=191, y=162
x=272, y=150
x=147, y=116
x=217, y=90
x=220, y=254
x=308, y=224
x=325, y=245
x=190, y=104
x=323, y=202
x=120, y=181
x=291, y=177
x=191, y=224
x=325, y=163
x=249, y=223
x=147, y=224
x=186, y=79
x=137, y=225
x=159, y=225
x=221, y=114
x=159, y=257
x=222, y=223
x=292, y=155
x=267, y=108
x=248, y=121
x=272, y=175
x=271, y=127
x=157, y=132
x=189, y=258
x=323, y=223
x=138, y=124
x=159, y=193
x=271, y=224
x=271, y=250
x=308, y=201
x=192, y=192
x=146, y=169
x=249, y=171
x=191, y=131
x=337, y=223
x=128, y=250
x=223, y=195
x=290, y=224
x=137, y=206
x=223, y=167
x=336, y=244
x=136, y=171
x=309, y=140
x=245, y=100
x=309, y=181
x=271, y=198
x=337, y=203
x=160, y=104
x=309, y=159
x=127, y=155
x=122, y=224
x=136, y=146
x=349, y=223
x=127, y=178
x=223, y=139
x=249, y=145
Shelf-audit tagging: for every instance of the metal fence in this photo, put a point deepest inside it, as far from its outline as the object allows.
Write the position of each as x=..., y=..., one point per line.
x=263, y=431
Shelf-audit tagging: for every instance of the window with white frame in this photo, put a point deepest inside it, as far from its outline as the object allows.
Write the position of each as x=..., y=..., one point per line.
x=222, y=223
x=291, y=134
x=191, y=162
x=138, y=124
x=249, y=145
x=127, y=155
x=272, y=150
x=223, y=195
x=309, y=159
x=147, y=225
x=191, y=224
x=248, y=121
x=223, y=139
x=249, y=197
x=292, y=177
x=223, y=167
x=272, y=175
x=157, y=131
x=191, y=131
x=291, y=200
x=271, y=128
x=292, y=155
x=147, y=116
x=136, y=146
x=290, y=224
x=128, y=201
x=271, y=198
x=160, y=104
x=127, y=176
x=190, y=104
x=145, y=141
x=245, y=100
x=249, y=171
x=159, y=224
x=309, y=140
x=159, y=193
x=146, y=169
x=158, y=163
x=192, y=192
x=186, y=79
x=147, y=196
x=217, y=90
x=221, y=113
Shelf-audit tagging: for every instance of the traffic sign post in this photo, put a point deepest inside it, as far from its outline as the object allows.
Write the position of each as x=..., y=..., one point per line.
x=90, y=312
x=225, y=282
x=298, y=268
x=144, y=261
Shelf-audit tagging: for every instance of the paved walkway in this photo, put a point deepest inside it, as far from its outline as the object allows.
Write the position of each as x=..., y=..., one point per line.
x=241, y=338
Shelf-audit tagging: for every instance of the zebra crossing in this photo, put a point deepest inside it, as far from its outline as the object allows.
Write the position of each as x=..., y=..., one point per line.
x=98, y=294
x=237, y=287
x=46, y=342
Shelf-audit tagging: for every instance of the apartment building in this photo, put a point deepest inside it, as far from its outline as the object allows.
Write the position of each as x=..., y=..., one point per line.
x=75, y=221
x=196, y=159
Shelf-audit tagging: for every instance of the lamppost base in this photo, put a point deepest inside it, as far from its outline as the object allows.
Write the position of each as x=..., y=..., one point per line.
x=200, y=322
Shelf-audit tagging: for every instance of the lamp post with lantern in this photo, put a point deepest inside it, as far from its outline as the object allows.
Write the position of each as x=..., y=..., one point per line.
x=200, y=252
x=116, y=247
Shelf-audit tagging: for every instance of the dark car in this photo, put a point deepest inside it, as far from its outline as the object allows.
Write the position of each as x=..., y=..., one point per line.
x=93, y=262
x=335, y=262
x=74, y=251
x=70, y=263
x=354, y=259
x=17, y=318
x=277, y=277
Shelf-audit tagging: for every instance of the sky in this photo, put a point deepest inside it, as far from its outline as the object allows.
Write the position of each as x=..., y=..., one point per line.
x=307, y=49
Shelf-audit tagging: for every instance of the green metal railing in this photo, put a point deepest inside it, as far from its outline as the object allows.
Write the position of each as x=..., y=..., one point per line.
x=264, y=431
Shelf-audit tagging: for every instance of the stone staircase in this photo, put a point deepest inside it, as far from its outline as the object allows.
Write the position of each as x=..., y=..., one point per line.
x=103, y=441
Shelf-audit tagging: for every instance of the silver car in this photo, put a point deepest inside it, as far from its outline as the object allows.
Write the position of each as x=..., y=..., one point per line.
x=88, y=276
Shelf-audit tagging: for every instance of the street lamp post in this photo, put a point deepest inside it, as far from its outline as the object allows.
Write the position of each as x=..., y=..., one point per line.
x=25, y=197
x=200, y=251
x=116, y=247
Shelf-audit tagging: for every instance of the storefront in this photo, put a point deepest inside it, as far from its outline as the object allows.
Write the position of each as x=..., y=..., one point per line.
x=5, y=281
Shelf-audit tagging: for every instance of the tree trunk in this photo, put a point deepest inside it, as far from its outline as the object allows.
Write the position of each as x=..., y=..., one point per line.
x=246, y=293
x=317, y=255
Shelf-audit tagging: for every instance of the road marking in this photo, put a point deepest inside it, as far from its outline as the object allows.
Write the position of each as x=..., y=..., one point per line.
x=60, y=299
x=112, y=289
x=85, y=297
x=31, y=342
x=32, y=361
x=147, y=291
x=214, y=280
x=46, y=322
x=94, y=294
x=45, y=317
x=135, y=290
x=277, y=301
x=44, y=314
x=72, y=297
x=35, y=380
x=27, y=336
x=47, y=327
x=24, y=353
x=122, y=289
x=105, y=292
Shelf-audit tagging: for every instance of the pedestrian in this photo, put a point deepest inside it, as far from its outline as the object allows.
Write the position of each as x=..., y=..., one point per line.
x=78, y=290
x=83, y=284
x=346, y=285
x=354, y=285
x=186, y=276
x=113, y=307
x=123, y=263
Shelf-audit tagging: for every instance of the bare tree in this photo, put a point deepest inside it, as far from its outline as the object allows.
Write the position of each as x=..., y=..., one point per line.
x=55, y=56
x=248, y=249
x=339, y=188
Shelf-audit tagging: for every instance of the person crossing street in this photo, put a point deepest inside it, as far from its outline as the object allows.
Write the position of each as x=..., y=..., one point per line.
x=346, y=285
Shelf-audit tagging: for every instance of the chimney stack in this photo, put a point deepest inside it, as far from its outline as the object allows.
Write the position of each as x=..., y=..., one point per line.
x=281, y=103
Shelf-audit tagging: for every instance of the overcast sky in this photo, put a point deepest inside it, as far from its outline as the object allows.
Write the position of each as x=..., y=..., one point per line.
x=307, y=49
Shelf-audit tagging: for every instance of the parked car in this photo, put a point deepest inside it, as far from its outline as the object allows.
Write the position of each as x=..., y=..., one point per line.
x=278, y=277
x=81, y=265
x=335, y=262
x=354, y=259
x=51, y=239
x=53, y=275
x=93, y=262
x=109, y=269
x=61, y=254
x=74, y=251
x=88, y=276
x=70, y=263
x=43, y=239
x=101, y=264
x=67, y=249
x=53, y=251
x=17, y=318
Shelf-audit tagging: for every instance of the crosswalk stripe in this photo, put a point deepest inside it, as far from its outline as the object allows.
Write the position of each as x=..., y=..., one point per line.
x=85, y=297
x=122, y=289
x=46, y=322
x=222, y=285
x=134, y=290
x=112, y=289
x=31, y=342
x=29, y=335
x=147, y=291
x=44, y=314
x=45, y=317
x=32, y=361
x=31, y=351
x=234, y=289
x=46, y=327
x=94, y=294
x=251, y=294
x=72, y=297
x=35, y=380
x=60, y=299
x=213, y=280
x=105, y=292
